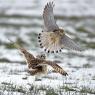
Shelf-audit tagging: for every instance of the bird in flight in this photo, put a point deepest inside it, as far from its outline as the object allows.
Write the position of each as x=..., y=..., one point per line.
x=53, y=39
x=38, y=65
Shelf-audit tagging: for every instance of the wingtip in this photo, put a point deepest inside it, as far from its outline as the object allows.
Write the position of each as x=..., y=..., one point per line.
x=80, y=49
x=65, y=74
x=49, y=4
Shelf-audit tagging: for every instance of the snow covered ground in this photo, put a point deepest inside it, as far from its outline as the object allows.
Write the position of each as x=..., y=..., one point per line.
x=21, y=20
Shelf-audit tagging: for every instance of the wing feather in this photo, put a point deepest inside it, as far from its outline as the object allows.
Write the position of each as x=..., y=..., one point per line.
x=49, y=21
x=69, y=43
x=56, y=67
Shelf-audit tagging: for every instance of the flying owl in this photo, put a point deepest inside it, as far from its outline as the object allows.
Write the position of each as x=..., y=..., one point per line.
x=53, y=39
x=38, y=65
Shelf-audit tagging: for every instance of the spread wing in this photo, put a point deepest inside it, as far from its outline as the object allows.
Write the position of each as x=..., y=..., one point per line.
x=69, y=43
x=49, y=21
x=56, y=67
x=22, y=50
x=28, y=57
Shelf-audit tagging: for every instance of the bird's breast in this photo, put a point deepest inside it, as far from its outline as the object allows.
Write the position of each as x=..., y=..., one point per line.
x=54, y=37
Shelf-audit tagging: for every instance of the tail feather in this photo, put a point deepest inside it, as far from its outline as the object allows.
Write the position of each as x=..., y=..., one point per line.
x=50, y=42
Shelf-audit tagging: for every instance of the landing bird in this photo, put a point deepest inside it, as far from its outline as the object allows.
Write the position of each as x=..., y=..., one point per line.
x=53, y=39
x=38, y=65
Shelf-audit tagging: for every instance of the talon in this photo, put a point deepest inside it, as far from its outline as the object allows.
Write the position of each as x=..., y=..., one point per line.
x=60, y=50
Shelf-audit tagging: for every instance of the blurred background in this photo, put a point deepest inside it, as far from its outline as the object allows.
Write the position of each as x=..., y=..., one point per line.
x=21, y=21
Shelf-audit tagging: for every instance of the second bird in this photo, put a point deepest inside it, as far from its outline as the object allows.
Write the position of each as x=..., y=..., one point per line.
x=38, y=65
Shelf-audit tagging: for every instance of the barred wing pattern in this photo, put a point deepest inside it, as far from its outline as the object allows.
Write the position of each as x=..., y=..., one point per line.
x=69, y=43
x=56, y=67
x=49, y=21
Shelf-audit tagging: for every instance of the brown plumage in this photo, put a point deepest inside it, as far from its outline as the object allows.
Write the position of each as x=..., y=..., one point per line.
x=38, y=65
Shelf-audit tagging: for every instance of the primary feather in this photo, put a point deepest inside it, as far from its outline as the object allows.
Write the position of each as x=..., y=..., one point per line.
x=48, y=16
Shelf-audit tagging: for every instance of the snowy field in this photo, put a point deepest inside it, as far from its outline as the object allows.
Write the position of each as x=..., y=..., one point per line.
x=21, y=20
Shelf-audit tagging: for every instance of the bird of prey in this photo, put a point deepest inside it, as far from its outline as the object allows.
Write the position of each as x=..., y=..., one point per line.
x=53, y=39
x=38, y=65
